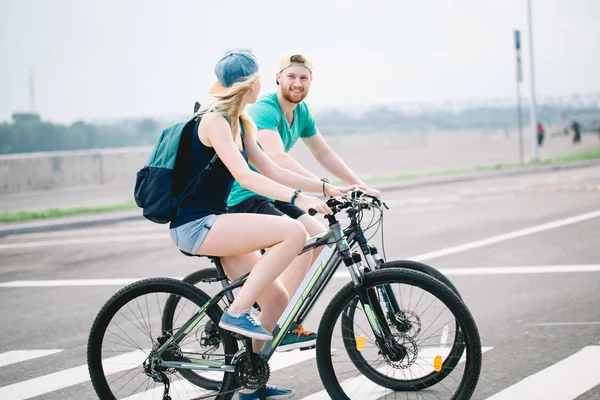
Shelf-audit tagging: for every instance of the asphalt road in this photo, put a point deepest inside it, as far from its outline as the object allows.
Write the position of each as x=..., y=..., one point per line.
x=523, y=251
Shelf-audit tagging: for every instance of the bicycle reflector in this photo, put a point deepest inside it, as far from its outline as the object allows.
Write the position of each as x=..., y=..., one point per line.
x=437, y=363
x=361, y=340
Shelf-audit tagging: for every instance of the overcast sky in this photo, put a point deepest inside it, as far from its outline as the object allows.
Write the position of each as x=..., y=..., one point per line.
x=99, y=60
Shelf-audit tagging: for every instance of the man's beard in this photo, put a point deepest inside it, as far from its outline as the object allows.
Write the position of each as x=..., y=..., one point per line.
x=286, y=94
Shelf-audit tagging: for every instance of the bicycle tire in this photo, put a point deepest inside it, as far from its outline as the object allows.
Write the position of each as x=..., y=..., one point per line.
x=350, y=339
x=131, y=292
x=468, y=331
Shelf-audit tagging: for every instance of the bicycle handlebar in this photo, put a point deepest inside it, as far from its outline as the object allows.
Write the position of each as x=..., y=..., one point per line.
x=353, y=197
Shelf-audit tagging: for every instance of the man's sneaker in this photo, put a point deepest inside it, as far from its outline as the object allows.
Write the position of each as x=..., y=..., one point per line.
x=246, y=324
x=271, y=393
x=297, y=338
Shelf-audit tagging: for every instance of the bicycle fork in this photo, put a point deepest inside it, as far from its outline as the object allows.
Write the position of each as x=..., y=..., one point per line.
x=372, y=306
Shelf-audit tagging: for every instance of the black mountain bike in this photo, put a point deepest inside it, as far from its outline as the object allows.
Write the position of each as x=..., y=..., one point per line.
x=391, y=332
x=354, y=235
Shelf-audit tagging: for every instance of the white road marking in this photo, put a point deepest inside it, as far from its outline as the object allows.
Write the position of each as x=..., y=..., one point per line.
x=532, y=269
x=73, y=376
x=506, y=236
x=362, y=388
x=92, y=240
x=146, y=228
x=564, y=323
x=74, y=282
x=68, y=377
x=582, y=371
x=17, y=356
x=420, y=257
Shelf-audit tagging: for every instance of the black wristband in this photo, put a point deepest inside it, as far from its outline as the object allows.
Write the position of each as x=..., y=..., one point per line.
x=324, y=180
x=296, y=193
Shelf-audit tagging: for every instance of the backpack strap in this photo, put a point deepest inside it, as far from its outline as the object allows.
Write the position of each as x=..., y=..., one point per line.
x=194, y=183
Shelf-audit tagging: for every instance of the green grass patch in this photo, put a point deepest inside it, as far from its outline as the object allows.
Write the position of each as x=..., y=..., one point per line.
x=23, y=216
x=431, y=174
x=590, y=153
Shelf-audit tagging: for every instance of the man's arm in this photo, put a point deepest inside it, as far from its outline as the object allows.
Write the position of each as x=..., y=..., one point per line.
x=271, y=143
x=330, y=160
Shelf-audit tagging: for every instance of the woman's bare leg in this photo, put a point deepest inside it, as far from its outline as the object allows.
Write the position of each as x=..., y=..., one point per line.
x=274, y=298
x=235, y=234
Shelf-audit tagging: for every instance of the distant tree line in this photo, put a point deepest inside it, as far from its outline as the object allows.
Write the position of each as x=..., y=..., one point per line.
x=28, y=133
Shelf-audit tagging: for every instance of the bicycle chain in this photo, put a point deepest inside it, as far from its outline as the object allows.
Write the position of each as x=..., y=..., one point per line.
x=210, y=396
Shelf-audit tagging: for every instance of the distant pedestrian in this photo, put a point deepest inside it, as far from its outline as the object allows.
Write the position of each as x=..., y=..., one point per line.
x=576, y=132
x=540, y=134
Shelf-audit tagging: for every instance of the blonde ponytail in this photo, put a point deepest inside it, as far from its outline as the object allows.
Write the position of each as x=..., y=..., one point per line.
x=230, y=105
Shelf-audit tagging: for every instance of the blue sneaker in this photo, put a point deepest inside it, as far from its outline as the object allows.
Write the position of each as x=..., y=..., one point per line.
x=246, y=324
x=271, y=392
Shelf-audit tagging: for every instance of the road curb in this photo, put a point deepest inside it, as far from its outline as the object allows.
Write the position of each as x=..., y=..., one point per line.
x=111, y=218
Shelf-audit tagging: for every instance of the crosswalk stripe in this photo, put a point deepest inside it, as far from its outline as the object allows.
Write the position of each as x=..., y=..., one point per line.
x=582, y=368
x=362, y=388
x=73, y=376
x=17, y=356
x=69, y=377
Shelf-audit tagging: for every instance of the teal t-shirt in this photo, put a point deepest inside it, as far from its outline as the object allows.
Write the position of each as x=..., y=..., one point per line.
x=267, y=114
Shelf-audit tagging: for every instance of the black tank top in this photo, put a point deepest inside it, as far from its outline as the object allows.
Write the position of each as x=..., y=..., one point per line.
x=215, y=185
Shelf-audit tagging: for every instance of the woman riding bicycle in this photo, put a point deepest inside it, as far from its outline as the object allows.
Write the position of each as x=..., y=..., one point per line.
x=204, y=227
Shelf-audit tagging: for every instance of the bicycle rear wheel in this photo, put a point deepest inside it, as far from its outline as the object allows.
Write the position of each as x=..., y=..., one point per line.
x=420, y=367
x=127, y=331
x=171, y=314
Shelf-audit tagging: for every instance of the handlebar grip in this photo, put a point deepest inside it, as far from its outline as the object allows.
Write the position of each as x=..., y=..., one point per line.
x=312, y=212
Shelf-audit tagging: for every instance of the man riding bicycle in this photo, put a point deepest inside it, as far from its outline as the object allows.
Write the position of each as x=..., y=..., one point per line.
x=281, y=119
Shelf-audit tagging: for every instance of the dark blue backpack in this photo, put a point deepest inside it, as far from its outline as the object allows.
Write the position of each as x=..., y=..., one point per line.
x=163, y=183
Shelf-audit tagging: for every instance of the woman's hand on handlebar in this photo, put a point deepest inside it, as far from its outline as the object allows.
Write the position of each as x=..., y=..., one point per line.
x=309, y=202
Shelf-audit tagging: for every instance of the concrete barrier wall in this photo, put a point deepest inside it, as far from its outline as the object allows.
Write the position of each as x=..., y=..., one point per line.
x=33, y=171
x=366, y=154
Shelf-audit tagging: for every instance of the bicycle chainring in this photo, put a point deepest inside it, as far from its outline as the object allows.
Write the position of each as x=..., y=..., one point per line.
x=252, y=370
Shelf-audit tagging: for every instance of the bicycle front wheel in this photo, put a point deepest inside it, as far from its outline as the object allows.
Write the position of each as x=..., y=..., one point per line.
x=401, y=315
x=421, y=364
x=127, y=331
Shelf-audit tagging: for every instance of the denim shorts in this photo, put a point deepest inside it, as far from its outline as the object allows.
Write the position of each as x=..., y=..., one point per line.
x=189, y=237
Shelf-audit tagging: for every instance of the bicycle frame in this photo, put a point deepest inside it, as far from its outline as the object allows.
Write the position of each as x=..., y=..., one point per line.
x=335, y=250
